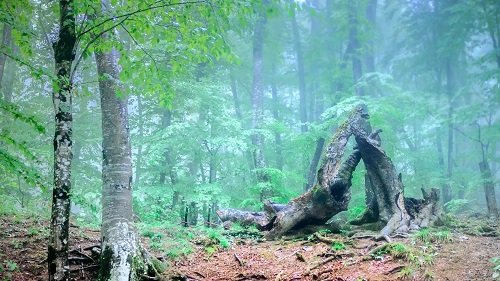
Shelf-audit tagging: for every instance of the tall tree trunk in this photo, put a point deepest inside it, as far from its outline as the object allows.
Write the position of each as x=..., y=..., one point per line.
x=489, y=188
x=317, y=103
x=121, y=257
x=7, y=86
x=357, y=71
x=301, y=75
x=64, y=54
x=6, y=44
x=138, y=166
x=447, y=192
x=166, y=121
x=276, y=115
x=236, y=99
x=493, y=26
x=257, y=96
x=371, y=16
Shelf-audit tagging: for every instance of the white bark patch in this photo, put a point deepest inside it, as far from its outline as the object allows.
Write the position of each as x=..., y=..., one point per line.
x=121, y=239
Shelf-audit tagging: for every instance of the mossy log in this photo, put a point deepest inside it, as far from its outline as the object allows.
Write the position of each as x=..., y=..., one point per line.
x=384, y=189
x=332, y=193
x=261, y=220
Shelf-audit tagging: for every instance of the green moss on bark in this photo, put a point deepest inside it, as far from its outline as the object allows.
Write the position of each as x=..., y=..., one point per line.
x=106, y=260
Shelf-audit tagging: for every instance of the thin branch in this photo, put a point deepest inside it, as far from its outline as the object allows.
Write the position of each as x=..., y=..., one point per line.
x=139, y=11
x=149, y=55
x=88, y=45
x=467, y=136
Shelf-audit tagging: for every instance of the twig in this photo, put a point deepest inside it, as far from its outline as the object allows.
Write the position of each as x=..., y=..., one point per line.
x=238, y=259
x=395, y=270
x=82, y=254
x=320, y=264
x=86, y=267
x=324, y=239
x=287, y=256
x=91, y=247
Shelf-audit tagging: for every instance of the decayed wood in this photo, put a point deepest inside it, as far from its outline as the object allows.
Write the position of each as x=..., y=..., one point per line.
x=332, y=193
x=384, y=189
x=388, y=204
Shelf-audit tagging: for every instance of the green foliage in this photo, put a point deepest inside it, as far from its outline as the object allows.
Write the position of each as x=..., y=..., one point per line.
x=406, y=273
x=397, y=251
x=457, y=205
x=496, y=267
x=428, y=236
x=338, y=246
x=428, y=276
x=15, y=156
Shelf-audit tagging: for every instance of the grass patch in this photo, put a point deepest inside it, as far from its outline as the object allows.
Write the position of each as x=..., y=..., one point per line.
x=428, y=236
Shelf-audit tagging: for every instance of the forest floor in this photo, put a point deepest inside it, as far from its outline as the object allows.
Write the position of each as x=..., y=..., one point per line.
x=459, y=253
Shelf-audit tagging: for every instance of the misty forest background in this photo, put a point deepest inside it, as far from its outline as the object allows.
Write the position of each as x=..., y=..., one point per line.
x=427, y=70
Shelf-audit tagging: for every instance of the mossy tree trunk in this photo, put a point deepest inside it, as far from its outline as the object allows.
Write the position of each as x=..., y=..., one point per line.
x=332, y=193
x=64, y=54
x=385, y=192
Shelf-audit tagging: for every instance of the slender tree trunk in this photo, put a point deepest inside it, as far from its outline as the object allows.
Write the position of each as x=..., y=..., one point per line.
x=7, y=86
x=257, y=96
x=6, y=43
x=301, y=75
x=64, y=53
x=121, y=257
x=447, y=192
x=354, y=44
x=317, y=104
x=167, y=159
x=489, y=189
x=371, y=16
x=236, y=99
x=138, y=166
x=237, y=109
x=276, y=115
x=493, y=28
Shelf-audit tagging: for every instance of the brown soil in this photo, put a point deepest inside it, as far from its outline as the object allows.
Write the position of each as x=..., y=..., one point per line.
x=23, y=247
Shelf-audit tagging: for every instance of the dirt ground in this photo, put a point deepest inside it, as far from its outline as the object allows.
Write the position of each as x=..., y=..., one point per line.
x=461, y=255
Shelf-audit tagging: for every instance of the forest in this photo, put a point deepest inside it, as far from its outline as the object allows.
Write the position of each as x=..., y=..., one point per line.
x=249, y=140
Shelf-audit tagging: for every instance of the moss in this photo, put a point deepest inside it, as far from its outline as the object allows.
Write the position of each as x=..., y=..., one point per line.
x=159, y=266
x=105, y=261
x=319, y=194
x=139, y=267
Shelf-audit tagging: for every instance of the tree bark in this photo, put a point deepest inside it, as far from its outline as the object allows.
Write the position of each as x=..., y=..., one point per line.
x=385, y=200
x=6, y=43
x=332, y=193
x=64, y=54
x=237, y=109
x=167, y=159
x=300, y=74
x=138, y=166
x=276, y=116
x=357, y=71
x=371, y=16
x=489, y=189
x=447, y=192
x=257, y=97
x=317, y=103
x=121, y=256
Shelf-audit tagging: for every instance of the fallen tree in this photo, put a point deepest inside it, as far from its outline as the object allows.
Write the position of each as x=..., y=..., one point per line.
x=384, y=189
